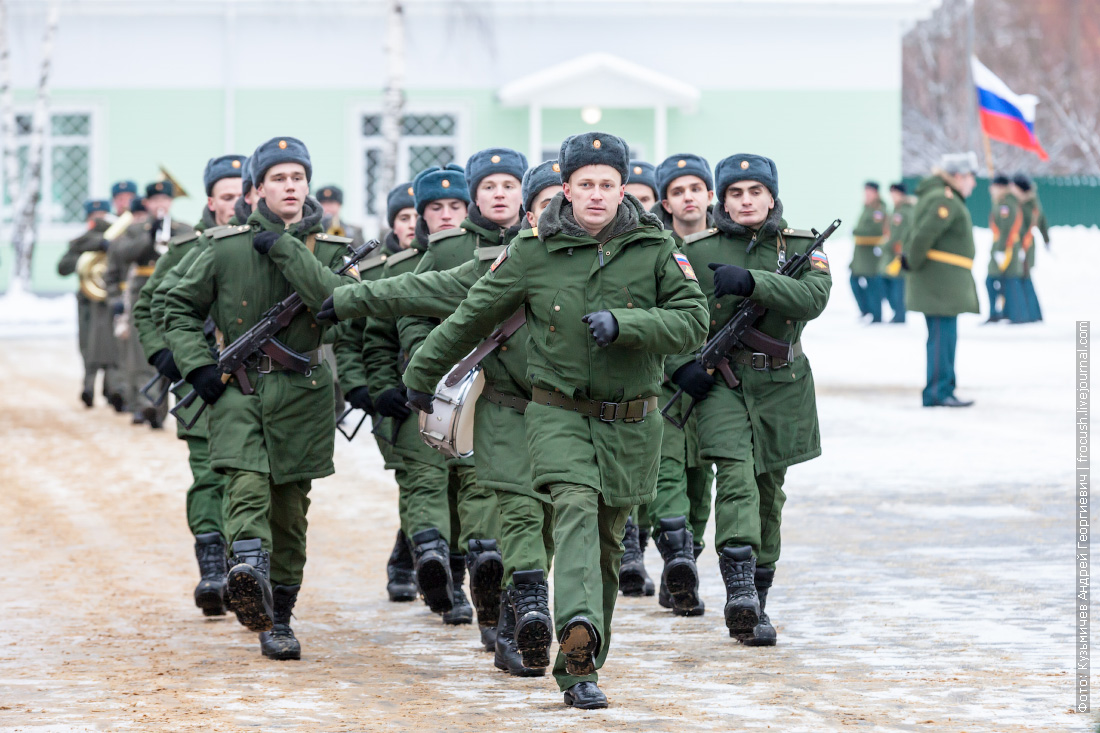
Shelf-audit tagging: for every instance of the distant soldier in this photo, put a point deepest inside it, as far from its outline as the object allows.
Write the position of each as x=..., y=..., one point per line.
x=90, y=240
x=123, y=195
x=1033, y=217
x=222, y=181
x=1006, y=295
x=331, y=199
x=893, y=283
x=755, y=430
x=273, y=443
x=605, y=299
x=939, y=254
x=870, y=233
x=641, y=183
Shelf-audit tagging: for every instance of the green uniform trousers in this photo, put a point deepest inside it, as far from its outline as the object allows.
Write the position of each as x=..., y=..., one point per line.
x=273, y=513
x=206, y=496
x=588, y=538
x=421, y=475
x=526, y=534
x=475, y=513
x=748, y=510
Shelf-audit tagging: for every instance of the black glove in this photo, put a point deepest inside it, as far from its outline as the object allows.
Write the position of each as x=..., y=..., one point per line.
x=166, y=365
x=731, y=280
x=207, y=381
x=391, y=403
x=328, y=310
x=603, y=327
x=263, y=241
x=104, y=245
x=359, y=398
x=420, y=401
x=694, y=380
x=117, y=308
x=904, y=263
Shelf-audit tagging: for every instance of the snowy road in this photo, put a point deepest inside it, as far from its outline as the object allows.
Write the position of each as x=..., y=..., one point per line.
x=926, y=581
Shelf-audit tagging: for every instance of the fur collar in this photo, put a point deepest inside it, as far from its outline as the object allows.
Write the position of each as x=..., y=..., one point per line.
x=311, y=217
x=558, y=218
x=242, y=210
x=421, y=240
x=730, y=228
x=473, y=213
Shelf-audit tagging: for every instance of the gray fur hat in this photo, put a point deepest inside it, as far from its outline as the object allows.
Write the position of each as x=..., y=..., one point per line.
x=227, y=166
x=746, y=167
x=246, y=176
x=684, y=164
x=593, y=148
x=331, y=193
x=539, y=178
x=494, y=160
x=955, y=163
x=643, y=173
x=399, y=197
x=432, y=184
x=279, y=150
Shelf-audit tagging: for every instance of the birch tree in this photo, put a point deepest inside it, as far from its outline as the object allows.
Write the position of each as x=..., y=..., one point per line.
x=9, y=164
x=393, y=102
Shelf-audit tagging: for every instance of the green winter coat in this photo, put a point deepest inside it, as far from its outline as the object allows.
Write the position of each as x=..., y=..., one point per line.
x=939, y=251
x=900, y=223
x=1033, y=216
x=1005, y=221
x=286, y=427
x=781, y=402
x=870, y=234
x=558, y=277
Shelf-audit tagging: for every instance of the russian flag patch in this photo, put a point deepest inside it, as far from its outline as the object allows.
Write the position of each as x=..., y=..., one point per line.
x=818, y=261
x=685, y=266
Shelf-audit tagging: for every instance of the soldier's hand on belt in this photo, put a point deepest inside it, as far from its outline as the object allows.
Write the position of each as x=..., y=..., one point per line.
x=359, y=398
x=391, y=403
x=207, y=381
x=731, y=280
x=694, y=380
x=163, y=362
x=420, y=401
x=264, y=240
x=603, y=327
x=328, y=310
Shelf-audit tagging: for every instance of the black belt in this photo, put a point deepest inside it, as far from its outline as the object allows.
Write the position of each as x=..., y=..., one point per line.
x=519, y=404
x=762, y=362
x=632, y=411
x=265, y=364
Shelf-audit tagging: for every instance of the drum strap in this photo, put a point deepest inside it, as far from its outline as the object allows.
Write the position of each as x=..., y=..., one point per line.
x=503, y=332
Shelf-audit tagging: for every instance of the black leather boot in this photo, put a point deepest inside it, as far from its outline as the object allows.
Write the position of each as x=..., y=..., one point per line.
x=643, y=542
x=507, y=656
x=400, y=571
x=763, y=634
x=210, y=592
x=486, y=570
x=461, y=611
x=280, y=642
x=738, y=566
x=433, y=570
x=530, y=599
x=585, y=696
x=632, y=574
x=580, y=643
x=680, y=576
x=248, y=587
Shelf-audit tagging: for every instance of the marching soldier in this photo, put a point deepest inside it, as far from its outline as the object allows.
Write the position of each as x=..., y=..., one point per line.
x=272, y=443
x=331, y=199
x=870, y=233
x=222, y=180
x=605, y=298
x=754, y=430
x=641, y=183
x=1033, y=217
x=893, y=284
x=123, y=195
x=494, y=177
x=1002, y=284
x=939, y=254
x=90, y=240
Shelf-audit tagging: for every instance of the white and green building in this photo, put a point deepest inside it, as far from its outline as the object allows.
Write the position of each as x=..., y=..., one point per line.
x=136, y=84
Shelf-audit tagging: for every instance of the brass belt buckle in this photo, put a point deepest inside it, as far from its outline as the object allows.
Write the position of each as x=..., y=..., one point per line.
x=763, y=362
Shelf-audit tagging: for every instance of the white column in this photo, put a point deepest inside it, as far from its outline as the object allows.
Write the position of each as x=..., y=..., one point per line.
x=229, y=79
x=534, y=134
x=660, y=134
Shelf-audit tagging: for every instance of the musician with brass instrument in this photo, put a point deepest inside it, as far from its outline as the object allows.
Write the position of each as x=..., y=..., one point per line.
x=131, y=261
x=123, y=196
x=87, y=258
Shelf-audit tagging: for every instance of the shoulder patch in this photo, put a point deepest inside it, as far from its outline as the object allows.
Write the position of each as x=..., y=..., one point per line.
x=500, y=258
x=446, y=234
x=490, y=253
x=897, y=218
x=228, y=231
x=685, y=265
x=1004, y=210
x=322, y=237
x=184, y=238
x=689, y=239
x=402, y=255
x=878, y=215
x=804, y=233
x=819, y=261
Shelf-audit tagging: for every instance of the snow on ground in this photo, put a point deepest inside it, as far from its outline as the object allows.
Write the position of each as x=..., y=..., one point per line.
x=26, y=315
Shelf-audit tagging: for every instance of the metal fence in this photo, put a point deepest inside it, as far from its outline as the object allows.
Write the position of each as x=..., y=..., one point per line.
x=1067, y=200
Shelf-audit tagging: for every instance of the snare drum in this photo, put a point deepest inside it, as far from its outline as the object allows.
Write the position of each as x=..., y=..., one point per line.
x=450, y=427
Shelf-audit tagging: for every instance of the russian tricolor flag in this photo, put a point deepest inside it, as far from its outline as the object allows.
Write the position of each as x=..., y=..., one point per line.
x=1006, y=116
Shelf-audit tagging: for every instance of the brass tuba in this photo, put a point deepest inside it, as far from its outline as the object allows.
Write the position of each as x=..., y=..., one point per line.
x=181, y=192
x=91, y=267
x=335, y=228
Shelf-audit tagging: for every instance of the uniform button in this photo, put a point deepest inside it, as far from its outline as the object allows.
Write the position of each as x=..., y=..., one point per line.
x=557, y=307
x=788, y=321
x=718, y=305
x=314, y=382
x=313, y=325
x=551, y=328
x=239, y=320
x=244, y=302
x=503, y=348
x=607, y=252
x=629, y=305
x=714, y=323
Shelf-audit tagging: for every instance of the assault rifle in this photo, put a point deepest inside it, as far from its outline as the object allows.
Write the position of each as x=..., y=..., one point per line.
x=260, y=340
x=739, y=333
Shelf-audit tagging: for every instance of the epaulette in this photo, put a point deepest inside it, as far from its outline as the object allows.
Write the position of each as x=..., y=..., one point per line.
x=490, y=253
x=228, y=231
x=700, y=235
x=184, y=238
x=373, y=262
x=433, y=238
x=213, y=232
x=322, y=237
x=805, y=233
x=403, y=255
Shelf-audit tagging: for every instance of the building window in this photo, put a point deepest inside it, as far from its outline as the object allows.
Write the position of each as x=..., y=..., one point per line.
x=427, y=139
x=66, y=165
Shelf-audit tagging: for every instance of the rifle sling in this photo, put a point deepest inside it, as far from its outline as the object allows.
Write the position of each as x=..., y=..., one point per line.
x=503, y=332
